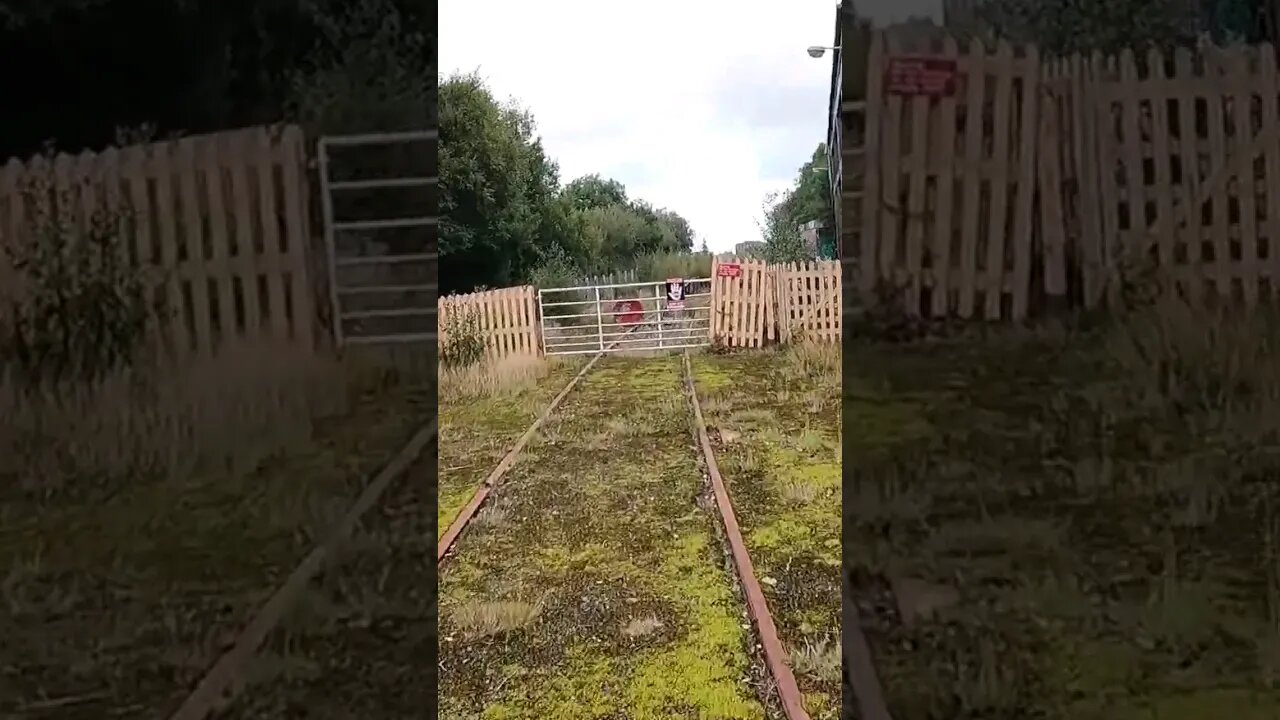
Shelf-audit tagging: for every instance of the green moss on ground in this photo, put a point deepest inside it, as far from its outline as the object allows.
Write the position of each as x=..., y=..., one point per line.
x=1010, y=470
x=778, y=443
x=599, y=528
x=476, y=432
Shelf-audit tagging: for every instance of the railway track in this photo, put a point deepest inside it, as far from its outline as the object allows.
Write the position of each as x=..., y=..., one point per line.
x=225, y=680
x=787, y=695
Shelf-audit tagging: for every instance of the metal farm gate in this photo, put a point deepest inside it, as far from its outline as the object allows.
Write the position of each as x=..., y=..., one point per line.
x=625, y=317
x=379, y=194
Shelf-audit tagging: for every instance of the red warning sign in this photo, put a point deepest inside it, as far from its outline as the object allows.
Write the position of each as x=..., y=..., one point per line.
x=921, y=75
x=628, y=312
x=729, y=270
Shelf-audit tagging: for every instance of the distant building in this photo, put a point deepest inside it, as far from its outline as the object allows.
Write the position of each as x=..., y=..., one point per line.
x=751, y=248
x=819, y=240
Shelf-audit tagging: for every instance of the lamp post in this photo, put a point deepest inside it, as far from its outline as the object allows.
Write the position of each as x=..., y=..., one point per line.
x=817, y=51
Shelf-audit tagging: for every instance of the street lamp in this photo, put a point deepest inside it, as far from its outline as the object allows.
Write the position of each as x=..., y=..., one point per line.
x=817, y=51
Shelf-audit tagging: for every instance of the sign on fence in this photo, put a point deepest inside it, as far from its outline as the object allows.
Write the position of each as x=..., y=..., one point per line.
x=675, y=294
x=730, y=270
x=921, y=75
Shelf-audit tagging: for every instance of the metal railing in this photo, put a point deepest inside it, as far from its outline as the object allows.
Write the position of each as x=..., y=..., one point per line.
x=623, y=317
x=381, y=299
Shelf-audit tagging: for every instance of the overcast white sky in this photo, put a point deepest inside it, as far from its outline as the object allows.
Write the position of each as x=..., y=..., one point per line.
x=699, y=106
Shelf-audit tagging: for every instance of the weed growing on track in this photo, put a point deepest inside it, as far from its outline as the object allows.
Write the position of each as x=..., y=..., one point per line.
x=1071, y=523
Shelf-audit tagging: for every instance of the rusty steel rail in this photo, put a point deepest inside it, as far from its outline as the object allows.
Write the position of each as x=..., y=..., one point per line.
x=775, y=656
x=469, y=510
x=858, y=665
x=224, y=680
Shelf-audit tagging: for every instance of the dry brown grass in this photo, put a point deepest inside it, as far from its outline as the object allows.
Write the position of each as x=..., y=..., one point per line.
x=820, y=659
x=814, y=359
x=493, y=378
x=228, y=413
x=186, y=489
x=479, y=619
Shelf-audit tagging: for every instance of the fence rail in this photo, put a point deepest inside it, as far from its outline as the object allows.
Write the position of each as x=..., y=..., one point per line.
x=220, y=218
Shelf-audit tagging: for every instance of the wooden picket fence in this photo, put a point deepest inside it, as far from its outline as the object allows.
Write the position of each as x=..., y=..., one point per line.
x=1168, y=162
x=1037, y=184
x=809, y=300
x=507, y=318
x=754, y=303
x=221, y=221
x=743, y=306
x=948, y=196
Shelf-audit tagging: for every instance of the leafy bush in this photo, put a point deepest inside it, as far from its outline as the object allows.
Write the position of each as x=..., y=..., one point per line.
x=660, y=266
x=82, y=311
x=368, y=74
x=464, y=341
x=554, y=270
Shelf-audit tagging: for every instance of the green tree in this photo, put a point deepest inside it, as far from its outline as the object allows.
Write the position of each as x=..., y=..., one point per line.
x=593, y=191
x=680, y=229
x=780, y=231
x=808, y=199
x=504, y=216
x=498, y=190
x=1063, y=27
x=618, y=234
x=368, y=73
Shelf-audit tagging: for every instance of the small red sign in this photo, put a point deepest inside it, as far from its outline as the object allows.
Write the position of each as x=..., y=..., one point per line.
x=921, y=75
x=629, y=312
x=732, y=270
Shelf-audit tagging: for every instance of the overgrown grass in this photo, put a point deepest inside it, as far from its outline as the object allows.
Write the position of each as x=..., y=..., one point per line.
x=507, y=376
x=144, y=516
x=1071, y=522
x=165, y=423
x=484, y=408
x=660, y=266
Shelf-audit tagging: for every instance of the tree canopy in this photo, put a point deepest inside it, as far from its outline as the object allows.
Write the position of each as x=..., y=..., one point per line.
x=808, y=199
x=76, y=71
x=1063, y=27
x=505, y=213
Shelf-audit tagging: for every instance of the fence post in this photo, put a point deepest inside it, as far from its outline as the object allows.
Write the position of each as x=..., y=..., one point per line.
x=599, y=320
x=657, y=305
x=540, y=331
